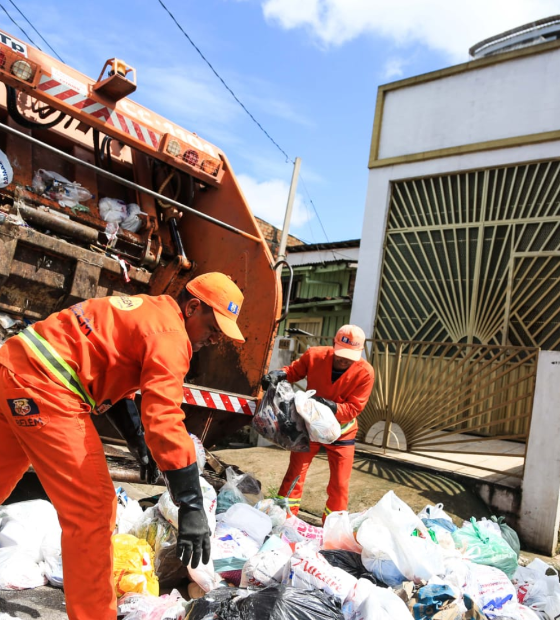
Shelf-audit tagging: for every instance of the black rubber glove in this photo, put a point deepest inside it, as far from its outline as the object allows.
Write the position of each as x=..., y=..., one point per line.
x=193, y=540
x=125, y=417
x=273, y=378
x=329, y=403
x=149, y=471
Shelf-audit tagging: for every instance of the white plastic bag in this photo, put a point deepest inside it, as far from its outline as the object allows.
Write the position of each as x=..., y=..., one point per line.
x=112, y=210
x=205, y=576
x=129, y=512
x=536, y=589
x=276, y=513
x=239, y=488
x=490, y=589
x=51, y=554
x=58, y=188
x=310, y=570
x=25, y=524
x=170, y=512
x=434, y=512
x=199, y=449
x=369, y=602
x=338, y=532
x=319, y=419
x=19, y=570
x=387, y=540
x=267, y=568
x=6, y=171
x=132, y=221
x=231, y=548
x=244, y=517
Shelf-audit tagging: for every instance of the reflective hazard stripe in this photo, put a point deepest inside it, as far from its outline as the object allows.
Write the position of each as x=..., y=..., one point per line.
x=346, y=427
x=55, y=364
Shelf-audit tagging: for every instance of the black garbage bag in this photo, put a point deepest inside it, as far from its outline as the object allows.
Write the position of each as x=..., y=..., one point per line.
x=272, y=603
x=210, y=605
x=351, y=562
x=278, y=421
x=283, y=603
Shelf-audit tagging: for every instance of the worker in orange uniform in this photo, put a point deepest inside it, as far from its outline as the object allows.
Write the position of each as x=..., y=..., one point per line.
x=84, y=359
x=343, y=381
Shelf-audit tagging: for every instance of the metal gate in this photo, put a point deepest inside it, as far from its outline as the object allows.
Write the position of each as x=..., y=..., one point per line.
x=449, y=397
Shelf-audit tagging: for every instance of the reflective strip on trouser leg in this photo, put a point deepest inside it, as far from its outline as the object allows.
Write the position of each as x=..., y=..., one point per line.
x=299, y=464
x=55, y=364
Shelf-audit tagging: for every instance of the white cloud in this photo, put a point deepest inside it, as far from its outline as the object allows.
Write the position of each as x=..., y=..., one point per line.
x=394, y=68
x=267, y=200
x=449, y=26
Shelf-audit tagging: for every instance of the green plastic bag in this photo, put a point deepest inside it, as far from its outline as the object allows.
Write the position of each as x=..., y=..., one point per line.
x=485, y=548
x=508, y=534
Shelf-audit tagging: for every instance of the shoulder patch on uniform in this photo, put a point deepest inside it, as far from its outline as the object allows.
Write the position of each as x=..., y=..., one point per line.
x=126, y=303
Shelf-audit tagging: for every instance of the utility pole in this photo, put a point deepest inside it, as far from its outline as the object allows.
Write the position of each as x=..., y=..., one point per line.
x=289, y=208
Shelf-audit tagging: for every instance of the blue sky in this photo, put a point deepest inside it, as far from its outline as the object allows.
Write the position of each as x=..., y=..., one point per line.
x=308, y=70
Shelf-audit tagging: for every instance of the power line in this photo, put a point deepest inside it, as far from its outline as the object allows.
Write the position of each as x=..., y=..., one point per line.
x=288, y=158
x=16, y=24
x=225, y=85
x=314, y=209
x=32, y=26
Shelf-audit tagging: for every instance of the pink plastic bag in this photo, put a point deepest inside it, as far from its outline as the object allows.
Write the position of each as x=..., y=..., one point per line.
x=310, y=532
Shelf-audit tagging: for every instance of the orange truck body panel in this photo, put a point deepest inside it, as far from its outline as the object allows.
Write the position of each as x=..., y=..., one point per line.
x=40, y=273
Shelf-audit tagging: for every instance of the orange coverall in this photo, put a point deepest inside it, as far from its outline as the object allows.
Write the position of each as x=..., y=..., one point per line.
x=81, y=359
x=351, y=392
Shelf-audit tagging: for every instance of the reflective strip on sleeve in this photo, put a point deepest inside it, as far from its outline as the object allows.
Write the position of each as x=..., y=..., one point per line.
x=55, y=364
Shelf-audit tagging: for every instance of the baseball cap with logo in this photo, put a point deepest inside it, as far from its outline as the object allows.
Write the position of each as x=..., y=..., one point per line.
x=224, y=297
x=349, y=342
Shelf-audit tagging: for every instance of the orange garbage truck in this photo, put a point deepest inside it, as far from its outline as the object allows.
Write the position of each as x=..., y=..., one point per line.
x=109, y=198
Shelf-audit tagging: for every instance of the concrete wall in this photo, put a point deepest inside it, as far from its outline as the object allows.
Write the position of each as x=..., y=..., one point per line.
x=514, y=98
x=540, y=503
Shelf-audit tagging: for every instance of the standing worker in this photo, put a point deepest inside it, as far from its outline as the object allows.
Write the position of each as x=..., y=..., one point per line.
x=343, y=381
x=84, y=359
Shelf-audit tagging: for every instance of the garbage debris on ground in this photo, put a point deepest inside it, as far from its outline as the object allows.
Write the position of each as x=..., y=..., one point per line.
x=30, y=550
x=266, y=564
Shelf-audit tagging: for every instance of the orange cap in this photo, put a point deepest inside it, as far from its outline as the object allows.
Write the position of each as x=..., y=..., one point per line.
x=349, y=342
x=222, y=294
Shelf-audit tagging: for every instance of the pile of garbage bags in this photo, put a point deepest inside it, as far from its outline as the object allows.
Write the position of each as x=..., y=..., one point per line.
x=383, y=563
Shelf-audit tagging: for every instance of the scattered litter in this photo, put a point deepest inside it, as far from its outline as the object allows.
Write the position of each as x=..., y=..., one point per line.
x=58, y=188
x=385, y=563
x=239, y=489
x=116, y=211
x=133, y=566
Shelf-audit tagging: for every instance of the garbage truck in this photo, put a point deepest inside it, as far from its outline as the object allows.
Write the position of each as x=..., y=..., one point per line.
x=102, y=196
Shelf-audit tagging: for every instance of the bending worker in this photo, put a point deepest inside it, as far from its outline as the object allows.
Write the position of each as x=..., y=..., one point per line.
x=343, y=381
x=86, y=358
